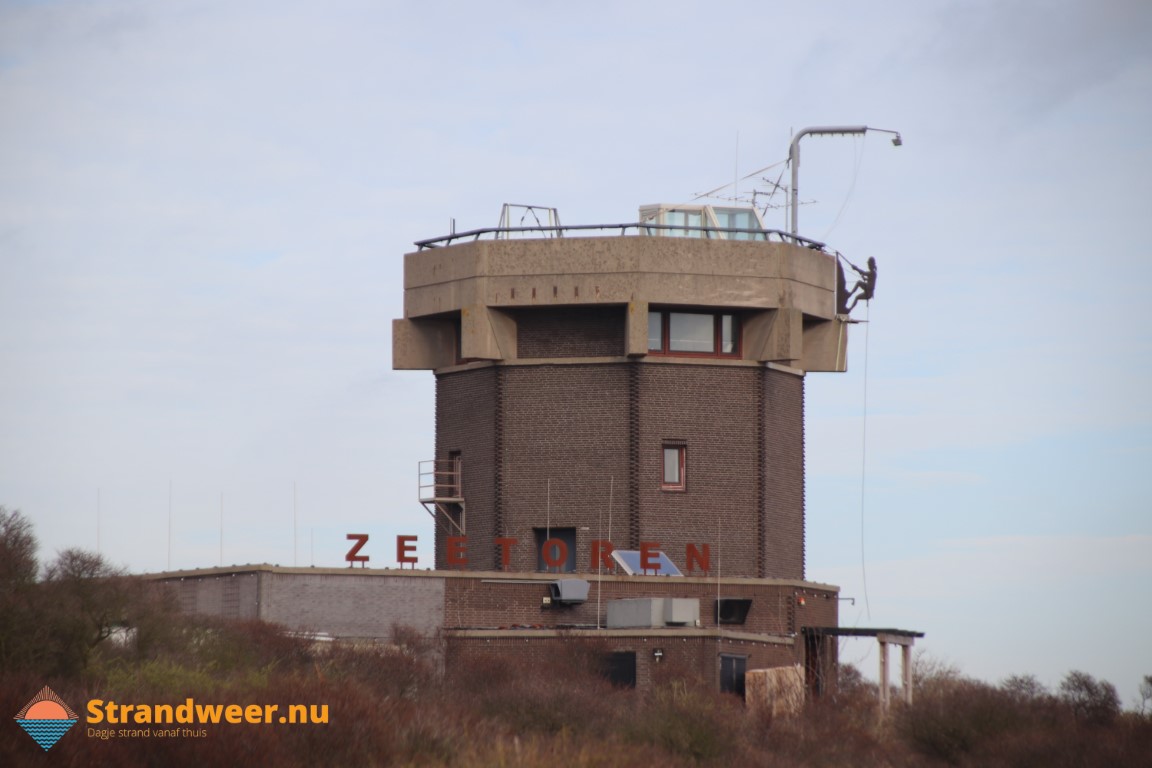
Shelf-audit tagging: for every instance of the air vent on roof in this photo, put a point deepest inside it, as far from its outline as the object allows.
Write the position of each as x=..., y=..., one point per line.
x=569, y=591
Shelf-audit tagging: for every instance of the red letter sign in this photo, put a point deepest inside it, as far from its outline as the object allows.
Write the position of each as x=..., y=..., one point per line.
x=694, y=557
x=361, y=539
x=505, y=545
x=456, y=554
x=404, y=545
x=601, y=553
x=561, y=550
x=649, y=556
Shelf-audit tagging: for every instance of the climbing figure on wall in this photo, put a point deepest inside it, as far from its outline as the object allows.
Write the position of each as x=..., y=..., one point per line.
x=866, y=284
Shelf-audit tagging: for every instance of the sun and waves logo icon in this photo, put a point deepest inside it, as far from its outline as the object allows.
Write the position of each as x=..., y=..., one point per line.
x=46, y=718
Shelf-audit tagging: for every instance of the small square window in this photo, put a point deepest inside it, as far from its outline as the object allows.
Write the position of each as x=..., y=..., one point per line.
x=673, y=477
x=620, y=668
x=555, y=549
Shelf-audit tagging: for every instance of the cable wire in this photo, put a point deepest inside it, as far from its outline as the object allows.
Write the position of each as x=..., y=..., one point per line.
x=864, y=460
x=858, y=151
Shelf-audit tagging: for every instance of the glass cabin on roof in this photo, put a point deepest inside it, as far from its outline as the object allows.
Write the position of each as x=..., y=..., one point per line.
x=705, y=221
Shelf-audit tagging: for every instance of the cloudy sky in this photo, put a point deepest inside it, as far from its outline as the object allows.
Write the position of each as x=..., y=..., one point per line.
x=204, y=205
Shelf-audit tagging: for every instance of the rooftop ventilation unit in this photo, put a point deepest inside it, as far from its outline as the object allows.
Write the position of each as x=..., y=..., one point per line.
x=569, y=591
x=681, y=611
x=653, y=612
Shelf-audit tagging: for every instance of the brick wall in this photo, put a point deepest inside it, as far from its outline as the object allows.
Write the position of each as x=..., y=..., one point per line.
x=509, y=609
x=570, y=332
x=581, y=446
x=777, y=609
x=347, y=605
x=467, y=421
x=784, y=467
x=339, y=604
x=682, y=658
x=226, y=595
x=711, y=411
x=565, y=455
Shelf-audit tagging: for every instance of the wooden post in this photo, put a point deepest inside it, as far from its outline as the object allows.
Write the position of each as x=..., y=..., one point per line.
x=906, y=672
x=883, y=674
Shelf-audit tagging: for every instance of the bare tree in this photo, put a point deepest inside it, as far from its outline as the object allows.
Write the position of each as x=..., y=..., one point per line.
x=1024, y=687
x=86, y=601
x=17, y=549
x=1091, y=701
x=17, y=588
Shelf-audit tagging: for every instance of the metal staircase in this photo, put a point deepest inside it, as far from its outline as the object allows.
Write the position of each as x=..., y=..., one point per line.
x=442, y=493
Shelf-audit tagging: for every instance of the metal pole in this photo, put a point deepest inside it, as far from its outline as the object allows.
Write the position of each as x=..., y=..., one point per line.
x=824, y=130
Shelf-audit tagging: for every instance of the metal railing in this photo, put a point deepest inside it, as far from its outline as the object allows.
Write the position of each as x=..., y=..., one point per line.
x=640, y=228
x=441, y=479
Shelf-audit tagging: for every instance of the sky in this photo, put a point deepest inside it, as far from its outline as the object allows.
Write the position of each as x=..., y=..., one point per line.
x=204, y=208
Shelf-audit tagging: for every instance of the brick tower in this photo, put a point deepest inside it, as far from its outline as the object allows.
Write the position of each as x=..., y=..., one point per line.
x=635, y=384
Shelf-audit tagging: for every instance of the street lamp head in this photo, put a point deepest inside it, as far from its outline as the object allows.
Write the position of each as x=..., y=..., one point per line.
x=897, y=141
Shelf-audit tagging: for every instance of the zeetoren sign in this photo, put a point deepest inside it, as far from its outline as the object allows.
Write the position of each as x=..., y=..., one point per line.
x=554, y=553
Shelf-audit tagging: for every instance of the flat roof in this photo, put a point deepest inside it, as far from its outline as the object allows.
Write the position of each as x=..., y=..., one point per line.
x=500, y=576
x=858, y=632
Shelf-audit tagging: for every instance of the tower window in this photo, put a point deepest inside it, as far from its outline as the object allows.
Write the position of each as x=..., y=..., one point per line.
x=555, y=549
x=673, y=477
x=693, y=333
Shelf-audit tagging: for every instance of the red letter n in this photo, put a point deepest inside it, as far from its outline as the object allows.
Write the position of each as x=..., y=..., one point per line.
x=695, y=557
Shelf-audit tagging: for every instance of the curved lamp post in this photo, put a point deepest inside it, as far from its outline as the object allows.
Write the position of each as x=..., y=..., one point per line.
x=824, y=130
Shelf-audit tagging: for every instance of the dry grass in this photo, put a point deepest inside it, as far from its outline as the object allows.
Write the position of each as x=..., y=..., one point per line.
x=391, y=706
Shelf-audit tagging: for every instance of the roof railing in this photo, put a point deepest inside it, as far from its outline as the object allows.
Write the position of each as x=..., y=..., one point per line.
x=641, y=228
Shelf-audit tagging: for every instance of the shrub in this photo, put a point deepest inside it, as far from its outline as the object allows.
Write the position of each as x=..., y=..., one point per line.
x=1024, y=688
x=1091, y=701
x=690, y=722
x=953, y=721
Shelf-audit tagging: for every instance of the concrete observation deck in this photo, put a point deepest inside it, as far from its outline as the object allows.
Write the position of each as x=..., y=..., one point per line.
x=461, y=299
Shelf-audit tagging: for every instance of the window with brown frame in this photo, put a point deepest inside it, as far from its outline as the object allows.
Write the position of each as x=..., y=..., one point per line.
x=704, y=334
x=673, y=467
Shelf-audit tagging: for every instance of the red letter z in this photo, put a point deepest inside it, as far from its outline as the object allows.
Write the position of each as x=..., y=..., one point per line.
x=361, y=539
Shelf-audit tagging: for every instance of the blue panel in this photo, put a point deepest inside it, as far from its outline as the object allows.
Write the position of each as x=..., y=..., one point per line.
x=629, y=562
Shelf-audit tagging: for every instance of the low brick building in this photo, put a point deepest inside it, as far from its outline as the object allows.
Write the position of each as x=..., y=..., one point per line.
x=478, y=612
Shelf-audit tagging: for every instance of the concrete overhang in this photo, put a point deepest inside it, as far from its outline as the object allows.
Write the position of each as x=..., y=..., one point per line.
x=460, y=301
x=505, y=274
